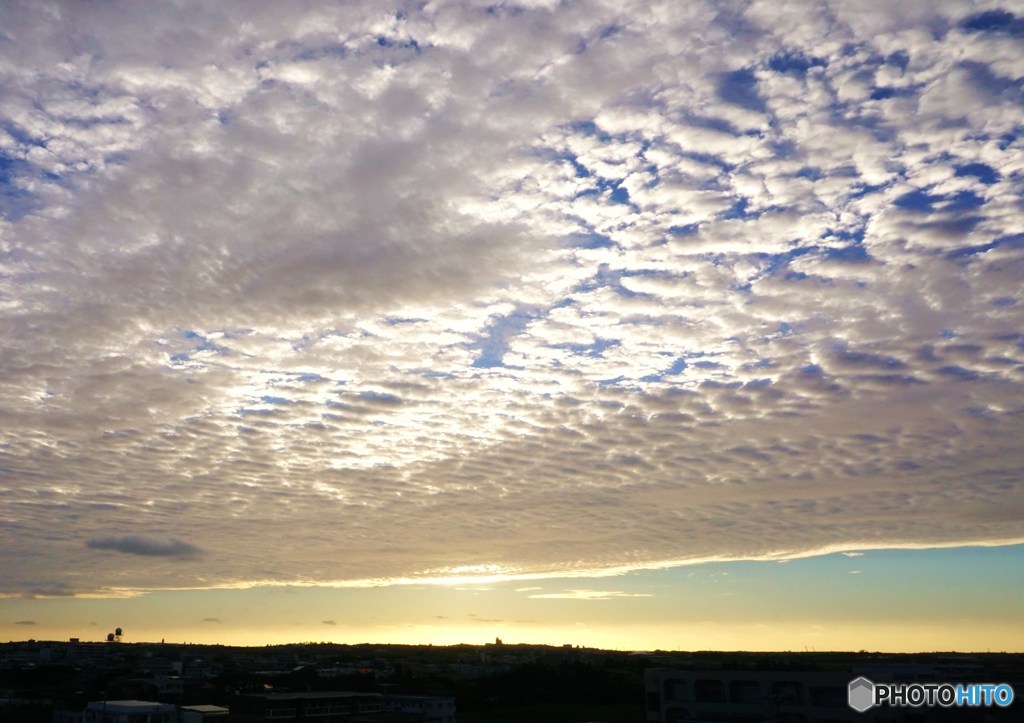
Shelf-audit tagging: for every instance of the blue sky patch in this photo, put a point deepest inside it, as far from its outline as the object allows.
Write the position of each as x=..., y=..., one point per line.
x=991, y=21
x=794, y=62
x=595, y=349
x=739, y=87
x=852, y=254
x=983, y=172
x=918, y=200
x=268, y=399
x=494, y=344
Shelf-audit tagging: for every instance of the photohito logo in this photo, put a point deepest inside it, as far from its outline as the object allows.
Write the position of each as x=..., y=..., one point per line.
x=863, y=694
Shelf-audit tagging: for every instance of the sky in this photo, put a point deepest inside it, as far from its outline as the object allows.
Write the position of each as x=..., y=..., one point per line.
x=632, y=324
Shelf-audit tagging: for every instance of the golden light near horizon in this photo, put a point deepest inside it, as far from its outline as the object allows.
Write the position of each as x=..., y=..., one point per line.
x=884, y=600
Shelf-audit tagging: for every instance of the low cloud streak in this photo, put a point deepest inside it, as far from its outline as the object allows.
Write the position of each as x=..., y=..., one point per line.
x=586, y=595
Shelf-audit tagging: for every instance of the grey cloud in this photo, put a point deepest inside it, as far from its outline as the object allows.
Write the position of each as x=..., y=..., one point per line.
x=26, y=622
x=146, y=547
x=855, y=360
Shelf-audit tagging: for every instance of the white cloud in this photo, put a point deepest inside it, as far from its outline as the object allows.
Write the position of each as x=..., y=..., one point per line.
x=571, y=288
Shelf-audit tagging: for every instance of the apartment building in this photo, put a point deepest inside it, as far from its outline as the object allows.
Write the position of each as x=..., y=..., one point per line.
x=744, y=696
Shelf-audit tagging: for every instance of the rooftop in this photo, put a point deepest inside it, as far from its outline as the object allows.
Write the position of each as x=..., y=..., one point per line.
x=310, y=695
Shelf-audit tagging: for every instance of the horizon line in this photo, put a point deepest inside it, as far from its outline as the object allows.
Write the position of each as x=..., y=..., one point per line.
x=656, y=651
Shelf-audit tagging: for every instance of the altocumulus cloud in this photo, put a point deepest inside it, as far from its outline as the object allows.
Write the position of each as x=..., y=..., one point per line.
x=145, y=546
x=555, y=288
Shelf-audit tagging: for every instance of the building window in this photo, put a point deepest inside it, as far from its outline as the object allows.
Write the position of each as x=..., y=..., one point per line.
x=787, y=692
x=675, y=689
x=744, y=691
x=828, y=696
x=708, y=690
x=653, y=702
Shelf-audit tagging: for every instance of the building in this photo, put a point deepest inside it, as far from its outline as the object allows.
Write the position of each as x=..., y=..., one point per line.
x=124, y=711
x=341, y=707
x=748, y=696
x=202, y=714
x=428, y=709
x=327, y=707
x=821, y=695
x=141, y=711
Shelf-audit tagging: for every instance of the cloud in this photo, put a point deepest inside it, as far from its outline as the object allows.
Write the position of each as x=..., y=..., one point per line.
x=145, y=546
x=329, y=622
x=26, y=622
x=55, y=591
x=211, y=620
x=587, y=595
x=509, y=282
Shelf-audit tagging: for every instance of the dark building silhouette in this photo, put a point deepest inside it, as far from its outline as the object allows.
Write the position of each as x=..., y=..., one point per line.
x=799, y=696
x=340, y=707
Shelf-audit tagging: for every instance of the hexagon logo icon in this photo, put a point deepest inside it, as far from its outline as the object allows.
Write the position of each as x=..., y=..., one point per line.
x=861, y=694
